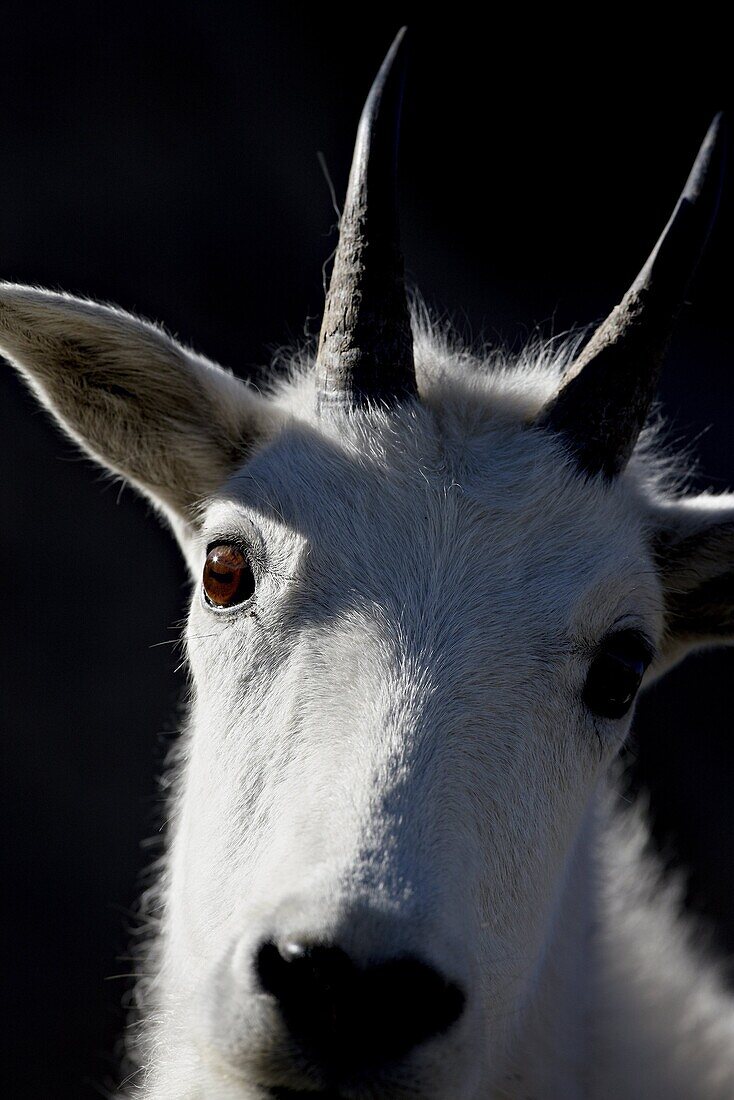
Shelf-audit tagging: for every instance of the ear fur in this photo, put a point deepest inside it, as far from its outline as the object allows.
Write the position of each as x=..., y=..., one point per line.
x=168, y=420
x=694, y=551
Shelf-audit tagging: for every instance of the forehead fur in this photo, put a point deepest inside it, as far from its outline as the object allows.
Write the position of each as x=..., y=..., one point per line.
x=460, y=477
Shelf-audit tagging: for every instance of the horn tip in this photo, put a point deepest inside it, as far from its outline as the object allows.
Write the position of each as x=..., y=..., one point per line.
x=718, y=123
x=401, y=36
x=388, y=84
x=708, y=168
x=395, y=57
x=396, y=54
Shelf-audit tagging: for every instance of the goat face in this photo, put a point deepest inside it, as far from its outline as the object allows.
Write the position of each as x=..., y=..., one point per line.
x=394, y=744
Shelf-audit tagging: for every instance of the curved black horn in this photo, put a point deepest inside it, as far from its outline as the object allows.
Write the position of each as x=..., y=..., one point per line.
x=606, y=395
x=366, y=345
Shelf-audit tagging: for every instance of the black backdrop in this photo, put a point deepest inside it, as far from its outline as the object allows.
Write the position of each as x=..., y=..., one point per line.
x=164, y=157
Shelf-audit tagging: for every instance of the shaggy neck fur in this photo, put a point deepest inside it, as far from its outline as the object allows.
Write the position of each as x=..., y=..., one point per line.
x=627, y=1004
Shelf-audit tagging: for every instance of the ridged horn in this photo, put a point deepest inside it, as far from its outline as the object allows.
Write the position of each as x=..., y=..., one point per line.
x=605, y=397
x=366, y=345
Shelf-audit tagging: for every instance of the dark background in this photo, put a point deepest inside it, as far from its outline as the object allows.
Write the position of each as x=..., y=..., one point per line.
x=164, y=158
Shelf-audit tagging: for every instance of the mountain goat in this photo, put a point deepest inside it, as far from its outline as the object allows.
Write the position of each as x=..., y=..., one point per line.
x=426, y=592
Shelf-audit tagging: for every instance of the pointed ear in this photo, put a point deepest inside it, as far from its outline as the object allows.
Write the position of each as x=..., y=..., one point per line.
x=694, y=550
x=172, y=423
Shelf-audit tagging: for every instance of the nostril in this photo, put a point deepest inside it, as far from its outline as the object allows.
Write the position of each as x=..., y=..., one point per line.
x=293, y=972
x=416, y=1001
x=351, y=1015
x=273, y=969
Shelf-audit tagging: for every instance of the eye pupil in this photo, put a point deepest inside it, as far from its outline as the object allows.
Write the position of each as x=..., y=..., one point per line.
x=615, y=674
x=228, y=577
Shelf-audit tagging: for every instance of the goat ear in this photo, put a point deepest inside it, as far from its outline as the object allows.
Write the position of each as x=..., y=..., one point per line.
x=694, y=550
x=169, y=421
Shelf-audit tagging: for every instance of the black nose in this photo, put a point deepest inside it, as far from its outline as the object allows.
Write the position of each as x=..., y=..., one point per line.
x=346, y=1016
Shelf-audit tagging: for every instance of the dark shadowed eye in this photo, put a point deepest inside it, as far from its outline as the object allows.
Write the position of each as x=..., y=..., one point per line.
x=228, y=577
x=616, y=673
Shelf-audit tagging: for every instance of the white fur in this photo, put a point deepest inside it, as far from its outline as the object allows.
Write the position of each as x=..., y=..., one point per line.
x=389, y=746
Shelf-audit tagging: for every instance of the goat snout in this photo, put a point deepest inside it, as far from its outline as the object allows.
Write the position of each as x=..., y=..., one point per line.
x=347, y=1017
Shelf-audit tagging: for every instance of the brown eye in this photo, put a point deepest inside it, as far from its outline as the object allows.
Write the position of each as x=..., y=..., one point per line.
x=228, y=576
